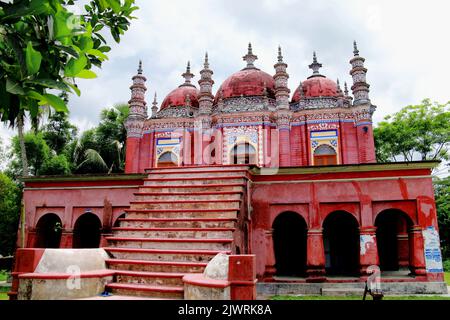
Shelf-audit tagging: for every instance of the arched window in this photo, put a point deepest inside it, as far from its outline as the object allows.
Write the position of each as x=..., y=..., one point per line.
x=243, y=153
x=168, y=159
x=325, y=155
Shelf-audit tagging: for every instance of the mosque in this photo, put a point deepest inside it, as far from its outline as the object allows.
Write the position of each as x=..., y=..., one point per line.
x=289, y=176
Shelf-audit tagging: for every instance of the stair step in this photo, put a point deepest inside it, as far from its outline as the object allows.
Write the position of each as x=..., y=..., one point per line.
x=150, y=278
x=174, y=232
x=169, y=243
x=182, y=213
x=186, y=196
x=146, y=290
x=204, y=173
x=164, y=255
x=156, y=266
x=193, y=188
x=178, y=222
x=198, y=168
x=188, y=204
x=190, y=181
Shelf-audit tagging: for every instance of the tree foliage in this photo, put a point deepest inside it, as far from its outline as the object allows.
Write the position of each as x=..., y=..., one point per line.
x=415, y=132
x=59, y=132
x=10, y=195
x=442, y=196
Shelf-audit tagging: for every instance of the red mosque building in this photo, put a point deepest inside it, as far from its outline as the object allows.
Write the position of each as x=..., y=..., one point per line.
x=289, y=177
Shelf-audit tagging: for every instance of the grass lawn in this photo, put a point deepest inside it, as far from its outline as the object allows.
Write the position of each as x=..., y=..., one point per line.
x=357, y=298
x=447, y=278
x=4, y=296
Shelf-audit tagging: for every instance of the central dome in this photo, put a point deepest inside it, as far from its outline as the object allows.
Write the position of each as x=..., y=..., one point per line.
x=247, y=82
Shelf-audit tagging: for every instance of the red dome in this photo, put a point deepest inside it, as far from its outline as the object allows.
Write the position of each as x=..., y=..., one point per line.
x=317, y=86
x=247, y=82
x=178, y=96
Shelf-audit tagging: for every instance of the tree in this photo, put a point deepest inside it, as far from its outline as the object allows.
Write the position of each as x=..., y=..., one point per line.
x=44, y=47
x=59, y=132
x=442, y=196
x=10, y=195
x=415, y=132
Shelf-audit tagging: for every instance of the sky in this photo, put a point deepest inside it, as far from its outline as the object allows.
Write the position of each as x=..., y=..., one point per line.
x=405, y=44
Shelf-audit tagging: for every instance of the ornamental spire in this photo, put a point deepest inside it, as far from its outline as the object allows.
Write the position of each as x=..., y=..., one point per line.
x=187, y=75
x=206, y=63
x=345, y=89
x=360, y=87
x=140, y=67
x=154, y=106
x=280, y=56
x=355, y=49
x=205, y=98
x=315, y=66
x=250, y=58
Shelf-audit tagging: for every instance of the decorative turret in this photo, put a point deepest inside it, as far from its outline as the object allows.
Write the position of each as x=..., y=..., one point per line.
x=154, y=107
x=206, y=82
x=138, y=106
x=358, y=72
x=281, y=83
x=250, y=58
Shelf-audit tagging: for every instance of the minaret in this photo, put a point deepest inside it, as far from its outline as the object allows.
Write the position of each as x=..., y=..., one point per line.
x=250, y=58
x=154, y=106
x=206, y=98
x=281, y=83
x=135, y=121
x=360, y=87
x=187, y=76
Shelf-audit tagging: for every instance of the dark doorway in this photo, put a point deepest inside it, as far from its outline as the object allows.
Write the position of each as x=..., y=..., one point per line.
x=341, y=243
x=117, y=222
x=393, y=240
x=86, y=233
x=289, y=242
x=48, y=231
x=243, y=153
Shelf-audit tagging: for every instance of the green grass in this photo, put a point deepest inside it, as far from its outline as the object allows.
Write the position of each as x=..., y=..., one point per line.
x=447, y=277
x=357, y=298
x=4, y=296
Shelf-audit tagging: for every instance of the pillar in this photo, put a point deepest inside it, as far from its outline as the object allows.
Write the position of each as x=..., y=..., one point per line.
x=66, y=239
x=270, y=269
x=315, y=259
x=416, y=250
x=368, y=249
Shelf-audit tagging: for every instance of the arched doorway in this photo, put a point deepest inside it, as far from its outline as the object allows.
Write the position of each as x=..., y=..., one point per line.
x=289, y=243
x=86, y=233
x=48, y=231
x=117, y=222
x=393, y=240
x=243, y=153
x=168, y=159
x=325, y=155
x=341, y=243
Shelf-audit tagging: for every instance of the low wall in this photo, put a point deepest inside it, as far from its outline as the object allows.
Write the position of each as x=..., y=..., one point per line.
x=59, y=274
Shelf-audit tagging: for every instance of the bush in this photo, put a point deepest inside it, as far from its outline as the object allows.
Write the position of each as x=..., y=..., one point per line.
x=56, y=165
x=10, y=195
x=447, y=265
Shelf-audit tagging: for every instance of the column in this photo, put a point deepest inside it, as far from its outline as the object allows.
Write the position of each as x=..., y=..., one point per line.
x=315, y=260
x=270, y=269
x=416, y=250
x=368, y=249
x=66, y=239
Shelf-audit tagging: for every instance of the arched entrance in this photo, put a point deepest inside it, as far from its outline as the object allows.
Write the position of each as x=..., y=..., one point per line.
x=325, y=155
x=341, y=243
x=289, y=243
x=117, y=222
x=393, y=240
x=48, y=231
x=168, y=159
x=86, y=233
x=243, y=153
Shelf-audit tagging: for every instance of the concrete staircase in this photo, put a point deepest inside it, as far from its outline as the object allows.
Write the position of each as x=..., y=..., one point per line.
x=179, y=220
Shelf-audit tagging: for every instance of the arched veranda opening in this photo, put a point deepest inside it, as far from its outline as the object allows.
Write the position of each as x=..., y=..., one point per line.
x=48, y=231
x=243, y=153
x=87, y=231
x=167, y=159
x=325, y=155
x=289, y=242
x=393, y=241
x=341, y=244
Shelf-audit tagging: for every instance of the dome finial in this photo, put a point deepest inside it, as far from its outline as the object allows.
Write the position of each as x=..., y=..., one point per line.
x=187, y=75
x=280, y=56
x=140, y=67
x=315, y=66
x=206, y=63
x=355, y=49
x=338, y=85
x=250, y=57
x=345, y=89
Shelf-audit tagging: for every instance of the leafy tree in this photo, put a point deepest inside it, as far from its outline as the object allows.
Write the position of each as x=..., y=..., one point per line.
x=44, y=47
x=59, y=132
x=417, y=131
x=442, y=196
x=55, y=165
x=10, y=195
